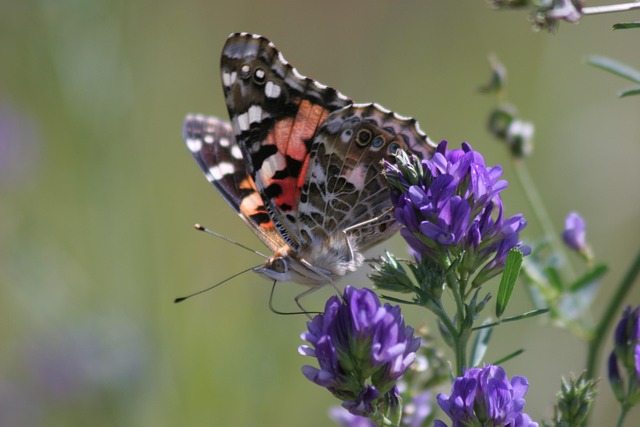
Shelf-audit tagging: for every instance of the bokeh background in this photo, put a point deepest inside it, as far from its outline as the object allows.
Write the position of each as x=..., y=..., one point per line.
x=98, y=194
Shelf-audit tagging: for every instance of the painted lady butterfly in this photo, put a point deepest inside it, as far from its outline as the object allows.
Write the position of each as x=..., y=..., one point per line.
x=300, y=163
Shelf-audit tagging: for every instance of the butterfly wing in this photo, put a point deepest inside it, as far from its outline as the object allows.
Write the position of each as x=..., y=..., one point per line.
x=212, y=144
x=344, y=189
x=274, y=113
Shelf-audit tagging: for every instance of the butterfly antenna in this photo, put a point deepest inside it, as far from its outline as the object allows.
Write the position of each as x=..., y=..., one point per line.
x=220, y=236
x=180, y=299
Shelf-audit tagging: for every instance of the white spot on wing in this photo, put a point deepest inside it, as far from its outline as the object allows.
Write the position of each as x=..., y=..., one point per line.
x=208, y=139
x=271, y=90
x=255, y=114
x=281, y=58
x=224, y=142
x=235, y=152
x=399, y=117
x=220, y=170
x=229, y=78
x=242, y=121
x=194, y=144
x=381, y=108
x=297, y=74
x=358, y=176
x=271, y=165
x=319, y=85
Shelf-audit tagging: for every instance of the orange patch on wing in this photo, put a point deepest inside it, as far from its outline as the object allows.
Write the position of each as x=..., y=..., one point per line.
x=289, y=136
x=252, y=205
x=288, y=199
x=303, y=173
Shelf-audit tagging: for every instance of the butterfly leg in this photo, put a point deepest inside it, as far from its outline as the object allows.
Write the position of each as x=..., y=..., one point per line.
x=302, y=295
x=323, y=274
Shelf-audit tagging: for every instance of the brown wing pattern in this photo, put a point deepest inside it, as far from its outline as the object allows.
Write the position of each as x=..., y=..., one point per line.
x=344, y=189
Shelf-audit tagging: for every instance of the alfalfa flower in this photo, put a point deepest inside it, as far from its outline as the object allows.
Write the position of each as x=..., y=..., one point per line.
x=486, y=397
x=626, y=354
x=451, y=210
x=574, y=235
x=362, y=348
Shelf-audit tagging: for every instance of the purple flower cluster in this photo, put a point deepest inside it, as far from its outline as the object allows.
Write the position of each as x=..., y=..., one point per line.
x=450, y=205
x=627, y=354
x=362, y=348
x=486, y=397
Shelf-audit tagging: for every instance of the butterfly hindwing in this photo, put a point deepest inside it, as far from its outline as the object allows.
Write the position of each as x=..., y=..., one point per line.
x=212, y=144
x=274, y=112
x=344, y=188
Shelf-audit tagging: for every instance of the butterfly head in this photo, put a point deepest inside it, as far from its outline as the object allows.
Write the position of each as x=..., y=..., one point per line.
x=286, y=266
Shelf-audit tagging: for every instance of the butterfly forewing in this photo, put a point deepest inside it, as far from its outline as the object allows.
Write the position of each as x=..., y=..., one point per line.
x=274, y=111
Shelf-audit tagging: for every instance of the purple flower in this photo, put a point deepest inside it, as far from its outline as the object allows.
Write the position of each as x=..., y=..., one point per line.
x=574, y=234
x=346, y=419
x=627, y=354
x=418, y=410
x=486, y=397
x=362, y=348
x=450, y=206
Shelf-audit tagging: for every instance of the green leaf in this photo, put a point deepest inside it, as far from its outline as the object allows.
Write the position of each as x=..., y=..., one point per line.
x=508, y=357
x=553, y=276
x=480, y=344
x=615, y=67
x=589, y=277
x=526, y=315
x=626, y=25
x=508, y=280
x=629, y=92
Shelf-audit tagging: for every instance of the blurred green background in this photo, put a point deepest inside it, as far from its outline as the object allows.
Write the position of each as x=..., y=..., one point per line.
x=98, y=194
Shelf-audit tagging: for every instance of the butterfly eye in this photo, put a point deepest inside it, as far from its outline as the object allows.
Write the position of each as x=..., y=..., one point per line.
x=279, y=265
x=259, y=76
x=378, y=141
x=346, y=135
x=363, y=137
x=393, y=147
x=245, y=71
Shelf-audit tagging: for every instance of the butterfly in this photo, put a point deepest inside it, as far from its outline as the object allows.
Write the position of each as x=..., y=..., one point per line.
x=300, y=163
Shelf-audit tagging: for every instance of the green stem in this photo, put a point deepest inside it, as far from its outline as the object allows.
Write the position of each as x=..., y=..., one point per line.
x=611, y=313
x=623, y=413
x=538, y=208
x=459, y=344
x=461, y=355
